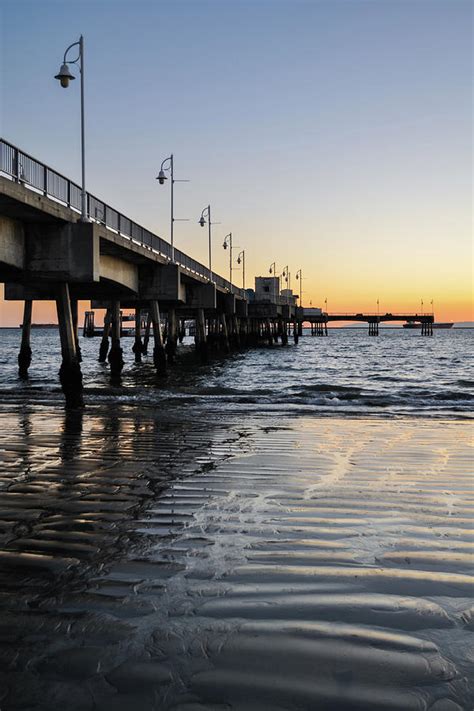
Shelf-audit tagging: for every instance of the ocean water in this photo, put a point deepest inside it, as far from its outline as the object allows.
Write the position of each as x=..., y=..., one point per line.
x=286, y=529
x=399, y=373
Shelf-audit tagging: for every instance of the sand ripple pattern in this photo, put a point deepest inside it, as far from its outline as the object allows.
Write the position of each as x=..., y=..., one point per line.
x=313, y=564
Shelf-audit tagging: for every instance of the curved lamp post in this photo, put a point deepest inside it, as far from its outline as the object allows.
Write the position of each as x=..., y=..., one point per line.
x=241, y=260
x=285, y=273
x=64, y=77
x=168, y=166
x=299, y=275
x=272, y=270
x=202, y=221
x=228, y=243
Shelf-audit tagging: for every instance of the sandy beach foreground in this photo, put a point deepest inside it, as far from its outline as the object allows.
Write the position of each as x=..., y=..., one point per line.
x=152, y=562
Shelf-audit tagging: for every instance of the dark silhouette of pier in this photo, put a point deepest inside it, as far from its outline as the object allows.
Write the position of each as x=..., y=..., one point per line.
x=49, y=252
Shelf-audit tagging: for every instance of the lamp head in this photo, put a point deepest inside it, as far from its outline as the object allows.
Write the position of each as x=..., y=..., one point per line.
x=238, y=260
x=64, y=76
x=225, y=244
x=161, y=177
x=270, y=270
x=202, y=221
x=297, y=276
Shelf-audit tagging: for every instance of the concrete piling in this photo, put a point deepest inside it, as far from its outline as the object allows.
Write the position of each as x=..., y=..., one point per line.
x=74, y=311
x=104, y=344
x=159, y=355
x=171, y=336
x=146, y=337
x=200, y=336
x=116, y=354
x=24, y=356
x=70, y=374
x=137, y=347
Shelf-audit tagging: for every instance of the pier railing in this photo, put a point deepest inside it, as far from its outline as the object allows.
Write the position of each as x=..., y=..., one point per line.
x=23, y=168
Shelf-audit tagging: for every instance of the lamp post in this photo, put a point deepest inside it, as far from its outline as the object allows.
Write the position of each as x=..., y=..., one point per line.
x=299, y=275
x=168, y=165
x=285, y=273
x=202, y=221
x=64, y=77
x=272, y=270
x=228, y=243
x=241, y=260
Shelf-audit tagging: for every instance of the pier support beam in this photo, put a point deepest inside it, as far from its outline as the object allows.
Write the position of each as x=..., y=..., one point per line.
x=24, y=356
x=146, y=337
x=70, y=372
x=104, y=344
x=75, y=328
x=200, y=336
x=224, y=335
x=171, y=336
x=159, y=355
x=116, y=353
x=137, y=347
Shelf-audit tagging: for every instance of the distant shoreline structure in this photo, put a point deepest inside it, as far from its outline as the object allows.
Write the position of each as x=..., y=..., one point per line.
x=39, y=325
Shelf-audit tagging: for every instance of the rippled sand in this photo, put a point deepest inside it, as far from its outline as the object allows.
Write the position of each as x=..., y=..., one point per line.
x=254, y=563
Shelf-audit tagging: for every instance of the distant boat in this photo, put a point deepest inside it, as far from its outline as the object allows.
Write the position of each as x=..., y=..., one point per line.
x=42, y=325
x=416, y=324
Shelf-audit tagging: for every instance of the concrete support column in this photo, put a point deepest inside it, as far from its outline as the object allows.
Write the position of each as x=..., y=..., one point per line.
x=296, y=334
x=200, y=336
x=146, y=337
x=171, y=336
x=137, y=347
x=235, y=332
x=159, y=355
x=70, y=372
x=75, y=328
x=104, y=344
x=300, y=328
x=181, y=330
x=24, y=356
x=116, y=353
x=224, y=334
x=283, y=332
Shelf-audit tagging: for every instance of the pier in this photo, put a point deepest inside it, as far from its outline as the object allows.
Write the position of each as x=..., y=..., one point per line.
x=48, y=252
x=319, y=320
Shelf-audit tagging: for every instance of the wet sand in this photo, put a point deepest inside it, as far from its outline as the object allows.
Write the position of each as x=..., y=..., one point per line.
x=153, y=562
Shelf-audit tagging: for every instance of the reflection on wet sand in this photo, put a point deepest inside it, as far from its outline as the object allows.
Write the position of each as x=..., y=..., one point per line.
x=157, y=564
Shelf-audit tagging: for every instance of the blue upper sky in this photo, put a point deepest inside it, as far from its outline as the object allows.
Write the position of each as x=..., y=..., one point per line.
x=331, y=135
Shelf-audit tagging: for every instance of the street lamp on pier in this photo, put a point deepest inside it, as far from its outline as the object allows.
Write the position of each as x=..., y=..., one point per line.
x=202, y=221
x=228, y=243
x=241, y=260
x=64, y=77
x=285, y=273
x=168, y=165
x=272, y=270
x=299, y=275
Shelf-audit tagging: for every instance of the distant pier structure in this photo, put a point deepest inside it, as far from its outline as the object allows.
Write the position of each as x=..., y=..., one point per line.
x=319, y=320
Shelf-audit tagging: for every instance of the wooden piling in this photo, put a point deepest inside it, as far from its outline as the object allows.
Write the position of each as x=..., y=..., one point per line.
x=224, y=333
x=24, y=356
x=70, y=374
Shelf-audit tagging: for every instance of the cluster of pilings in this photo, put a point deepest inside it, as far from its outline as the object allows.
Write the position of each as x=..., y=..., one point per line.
x=319, y=328
x=215, y=333
x=426, y=328
x=374, y=327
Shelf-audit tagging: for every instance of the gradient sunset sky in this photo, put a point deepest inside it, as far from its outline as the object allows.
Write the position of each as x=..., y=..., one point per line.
x=329, y=135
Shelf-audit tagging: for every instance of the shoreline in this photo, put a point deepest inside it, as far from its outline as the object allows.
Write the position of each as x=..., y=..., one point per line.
x=198, y=561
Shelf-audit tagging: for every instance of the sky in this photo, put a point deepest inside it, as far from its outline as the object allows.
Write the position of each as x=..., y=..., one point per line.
x=332, y=136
